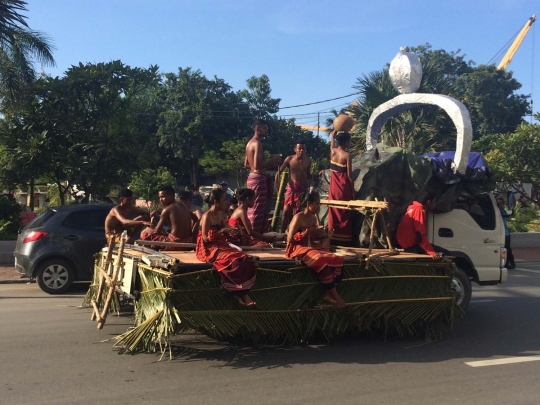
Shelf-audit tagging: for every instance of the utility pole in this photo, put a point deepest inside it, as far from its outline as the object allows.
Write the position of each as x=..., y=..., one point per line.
x=318, y=123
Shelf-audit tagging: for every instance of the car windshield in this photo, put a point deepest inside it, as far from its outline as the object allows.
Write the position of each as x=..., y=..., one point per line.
x=41, y=219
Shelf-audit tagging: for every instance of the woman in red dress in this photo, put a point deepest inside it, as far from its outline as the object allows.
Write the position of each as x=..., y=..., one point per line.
x=237, y=270
x=247, y=236
x=307, y=242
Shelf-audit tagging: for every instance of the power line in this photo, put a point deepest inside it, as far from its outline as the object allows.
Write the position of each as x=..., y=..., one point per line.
x=319, y=102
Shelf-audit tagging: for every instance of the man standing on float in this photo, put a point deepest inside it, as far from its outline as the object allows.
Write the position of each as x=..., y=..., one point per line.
x=258, y=180
x=341, y=180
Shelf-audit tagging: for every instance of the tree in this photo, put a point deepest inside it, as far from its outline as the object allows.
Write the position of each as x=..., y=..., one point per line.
x=514, y=158
x=257, y=97
x=198, y=114
x=85, y=119
x=229, y=159
x=146, y=183
x=19, y=48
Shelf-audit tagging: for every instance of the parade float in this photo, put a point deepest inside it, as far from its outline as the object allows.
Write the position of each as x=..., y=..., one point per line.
x=388, y=292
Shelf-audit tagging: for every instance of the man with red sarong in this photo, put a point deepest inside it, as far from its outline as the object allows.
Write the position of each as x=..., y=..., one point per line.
x=299, y=166
x=308, y=243
x=258, y=180
x=118, y=220
x=341, y=187
x=179, y=217
x=237, y=270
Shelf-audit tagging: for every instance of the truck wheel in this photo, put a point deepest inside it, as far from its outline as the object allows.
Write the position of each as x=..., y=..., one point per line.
x=461, y=286
x=55, y=276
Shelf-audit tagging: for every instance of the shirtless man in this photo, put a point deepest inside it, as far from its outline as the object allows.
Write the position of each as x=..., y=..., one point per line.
x=258, y=180
x=118, y=218
x=185, y=198
x=299, y=166
x=177, y=214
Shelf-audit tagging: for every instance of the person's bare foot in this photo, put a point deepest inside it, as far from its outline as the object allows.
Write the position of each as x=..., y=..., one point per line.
x=340, y=302
x=328, y=298
x=248, y=302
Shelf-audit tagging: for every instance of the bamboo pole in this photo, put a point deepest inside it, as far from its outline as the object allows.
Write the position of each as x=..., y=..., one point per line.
x=119, y=263
x=354, y=204
x=95, y=302
x=279, y=200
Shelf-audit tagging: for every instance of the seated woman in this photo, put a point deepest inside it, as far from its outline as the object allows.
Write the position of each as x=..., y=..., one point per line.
x=310, y=244
x=246, y=235
x=237, y=270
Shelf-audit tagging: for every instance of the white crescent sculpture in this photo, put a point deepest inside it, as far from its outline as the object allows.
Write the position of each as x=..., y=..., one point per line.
x=455, y=110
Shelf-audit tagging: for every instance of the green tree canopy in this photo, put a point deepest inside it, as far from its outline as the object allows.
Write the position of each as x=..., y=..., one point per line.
x=514, y=158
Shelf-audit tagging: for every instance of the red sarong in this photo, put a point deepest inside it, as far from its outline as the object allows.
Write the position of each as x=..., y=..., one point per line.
x=326, y=264
x=339, y=220
x=243, y=238
x=261, y=184
x=236, y=269
x=292, y=194
x=159, y=237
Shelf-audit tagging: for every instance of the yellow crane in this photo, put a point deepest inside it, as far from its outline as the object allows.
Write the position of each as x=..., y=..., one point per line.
x=515, y=45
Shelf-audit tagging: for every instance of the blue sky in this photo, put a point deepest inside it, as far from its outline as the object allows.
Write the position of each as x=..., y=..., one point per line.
x=311, y=50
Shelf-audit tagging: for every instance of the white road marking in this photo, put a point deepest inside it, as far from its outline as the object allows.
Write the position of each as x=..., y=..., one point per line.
x=498, y=362
x=480, y=301
x=527, y=270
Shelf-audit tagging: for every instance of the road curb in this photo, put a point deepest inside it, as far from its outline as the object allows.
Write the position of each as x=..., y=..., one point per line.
x=21, y=281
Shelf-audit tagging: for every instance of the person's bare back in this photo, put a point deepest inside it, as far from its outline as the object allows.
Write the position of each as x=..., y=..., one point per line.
x=180, y=219
x=254, y=160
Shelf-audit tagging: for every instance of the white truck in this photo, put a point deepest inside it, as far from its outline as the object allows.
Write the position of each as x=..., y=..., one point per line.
x=475, y=237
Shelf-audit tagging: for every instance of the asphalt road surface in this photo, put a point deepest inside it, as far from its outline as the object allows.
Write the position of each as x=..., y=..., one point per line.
x=50, y=353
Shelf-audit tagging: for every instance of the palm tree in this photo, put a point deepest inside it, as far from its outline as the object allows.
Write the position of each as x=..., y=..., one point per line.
x=20, y=48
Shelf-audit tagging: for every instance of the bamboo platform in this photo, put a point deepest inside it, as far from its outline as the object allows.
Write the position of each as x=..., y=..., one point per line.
x=394, y=292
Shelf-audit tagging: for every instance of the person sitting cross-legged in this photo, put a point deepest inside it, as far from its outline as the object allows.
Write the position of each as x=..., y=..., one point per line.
x=308, y=243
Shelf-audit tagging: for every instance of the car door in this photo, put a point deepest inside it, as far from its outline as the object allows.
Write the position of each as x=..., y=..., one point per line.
x=84, y=232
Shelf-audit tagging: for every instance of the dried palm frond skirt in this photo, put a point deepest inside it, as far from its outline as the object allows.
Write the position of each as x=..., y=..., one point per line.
x=399, y=297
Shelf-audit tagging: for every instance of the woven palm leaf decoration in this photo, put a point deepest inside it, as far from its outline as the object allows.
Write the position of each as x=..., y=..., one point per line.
x=403, y=297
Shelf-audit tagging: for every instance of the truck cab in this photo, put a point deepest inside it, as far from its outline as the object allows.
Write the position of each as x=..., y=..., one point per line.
x=473, y=232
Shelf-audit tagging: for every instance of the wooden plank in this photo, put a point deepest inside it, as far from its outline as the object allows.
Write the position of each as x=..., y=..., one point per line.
x=355, y=204
x=170, y=244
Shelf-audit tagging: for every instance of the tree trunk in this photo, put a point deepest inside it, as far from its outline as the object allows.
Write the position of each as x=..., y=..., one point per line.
x=31, y=191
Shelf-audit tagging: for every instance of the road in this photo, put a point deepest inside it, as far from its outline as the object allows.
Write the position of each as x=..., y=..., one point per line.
x=50, y=353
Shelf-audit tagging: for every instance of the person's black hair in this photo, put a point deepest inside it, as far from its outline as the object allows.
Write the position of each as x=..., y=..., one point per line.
x=125, y=193
x=213, y=196
x=306, y=198
x=185, y=195
x=299, y=142
x=234, y=201
x=245, y=193
x=193, y=187
x=426, y=196
x=258, y=121
x=167, y=189
x=342, y=138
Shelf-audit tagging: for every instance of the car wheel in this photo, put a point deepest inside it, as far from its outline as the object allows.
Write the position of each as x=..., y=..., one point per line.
x=461, y=286
x=55, y=276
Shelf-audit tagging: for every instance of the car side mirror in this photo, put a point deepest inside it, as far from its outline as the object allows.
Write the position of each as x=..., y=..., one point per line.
x=511, y=200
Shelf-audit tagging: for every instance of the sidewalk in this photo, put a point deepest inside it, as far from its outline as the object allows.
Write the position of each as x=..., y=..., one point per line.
x=9, y=275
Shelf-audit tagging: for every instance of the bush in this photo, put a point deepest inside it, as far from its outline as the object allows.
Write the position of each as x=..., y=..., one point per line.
x=524, y=219
x=10, y=220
